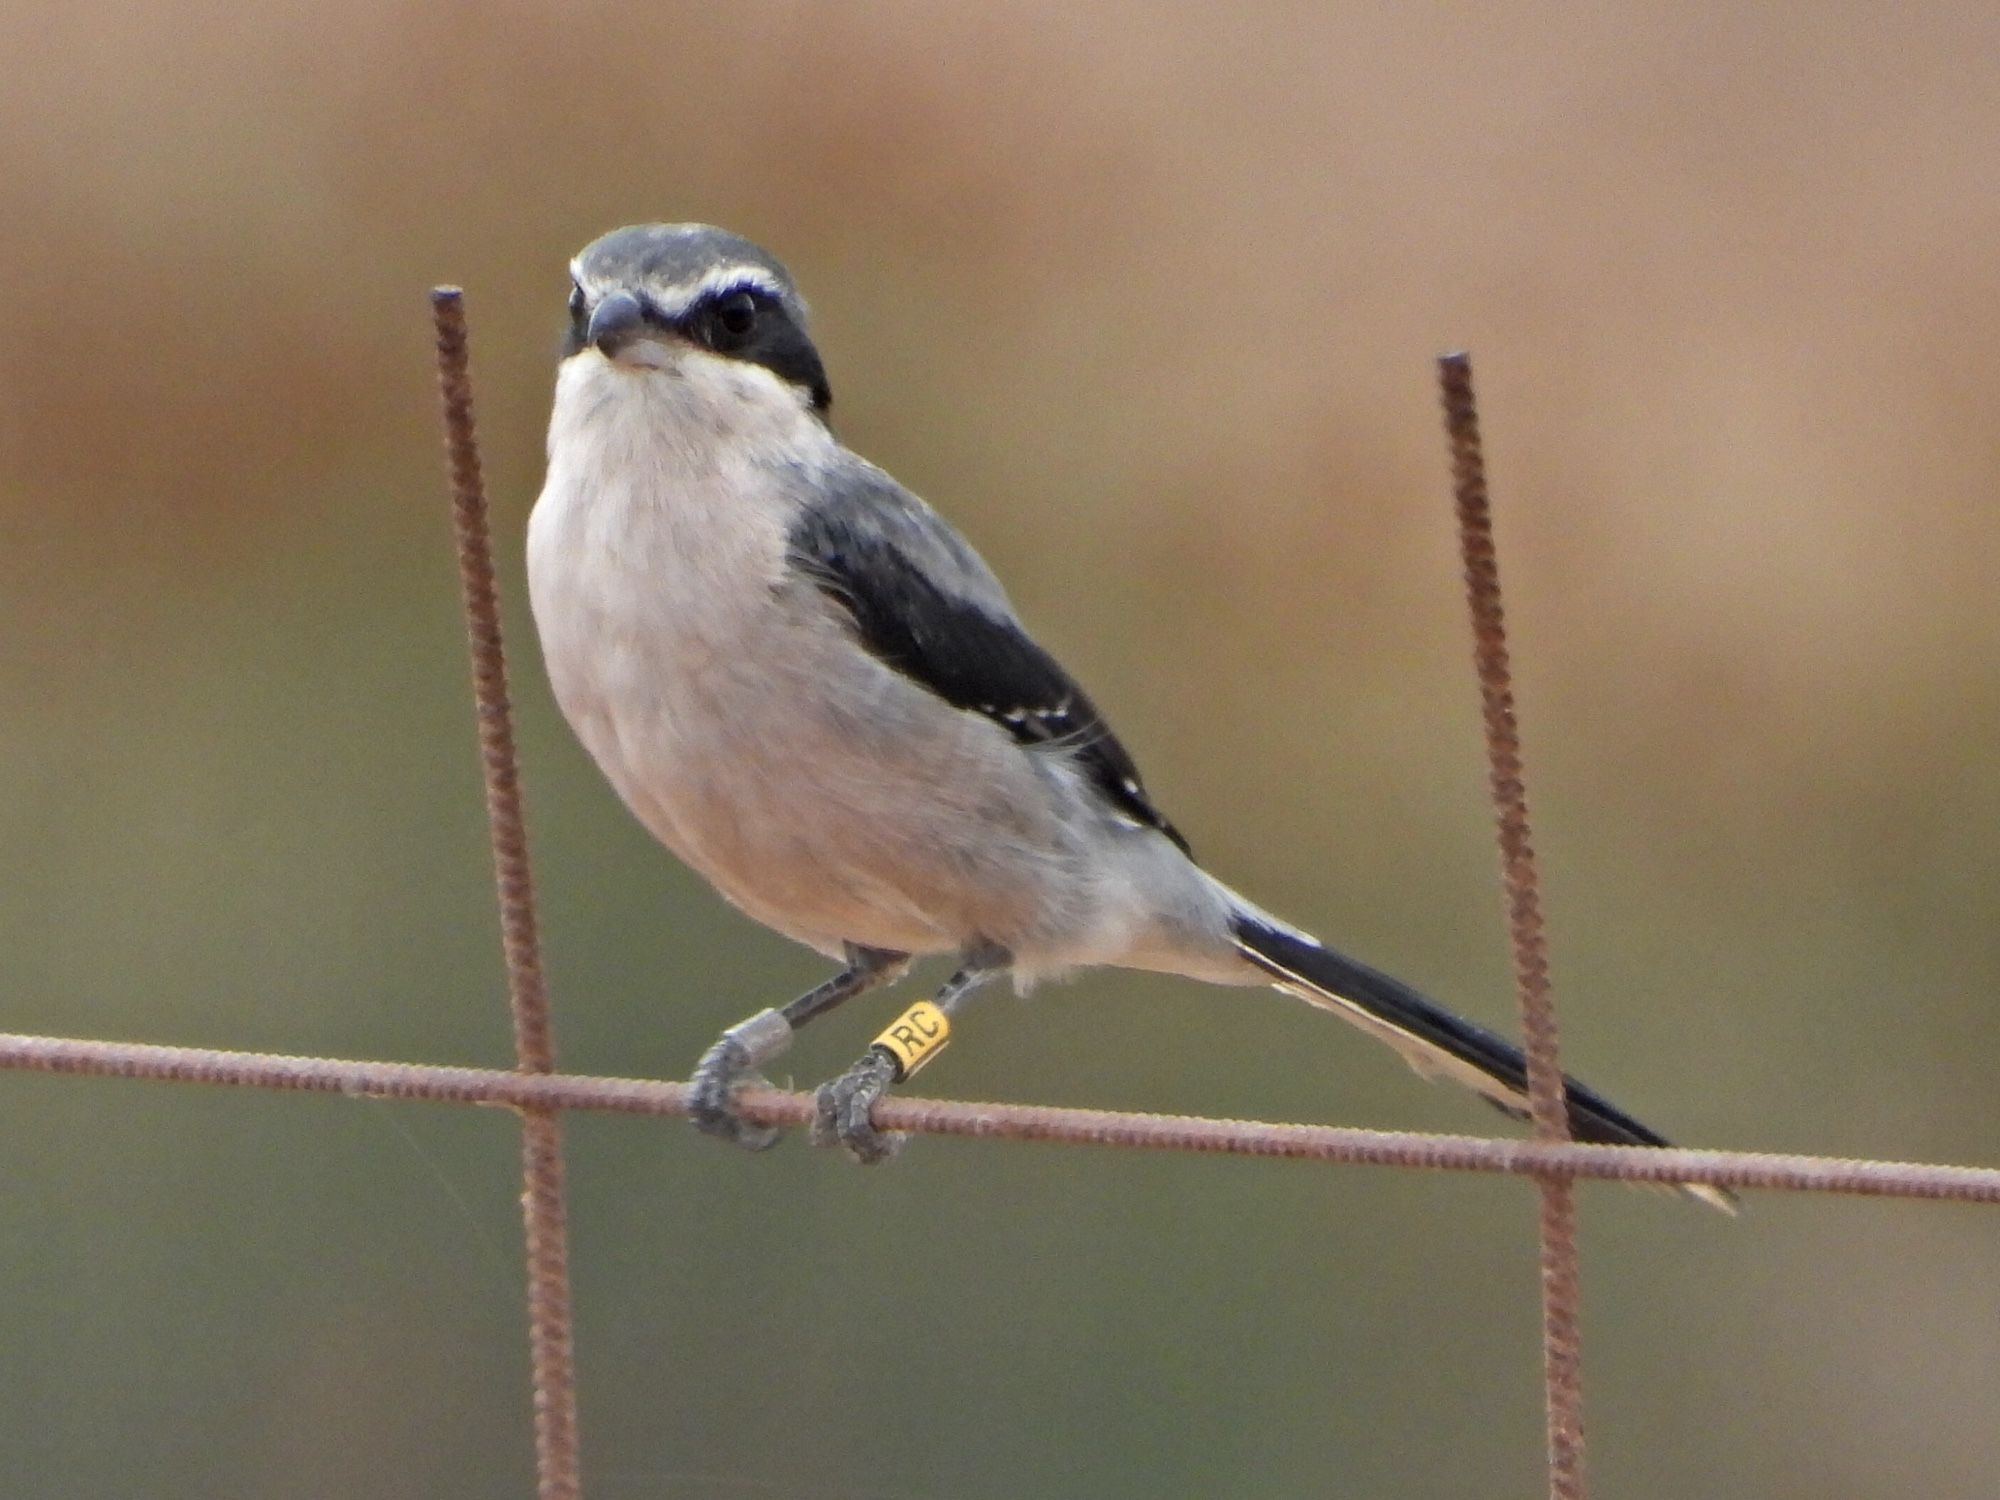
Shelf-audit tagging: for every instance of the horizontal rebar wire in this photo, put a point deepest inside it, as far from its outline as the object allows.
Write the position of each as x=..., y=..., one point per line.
x=544, y=1219
x=1562, y=1346
x=1028, y=1122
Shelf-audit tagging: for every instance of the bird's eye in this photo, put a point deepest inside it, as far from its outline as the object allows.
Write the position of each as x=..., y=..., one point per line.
x=577, y=301
x=734, y=318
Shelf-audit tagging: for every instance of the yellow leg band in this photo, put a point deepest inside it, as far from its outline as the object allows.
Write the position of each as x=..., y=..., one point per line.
x=916, y=1036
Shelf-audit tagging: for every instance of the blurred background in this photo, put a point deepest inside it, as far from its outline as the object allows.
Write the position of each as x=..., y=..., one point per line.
x=1144, y=296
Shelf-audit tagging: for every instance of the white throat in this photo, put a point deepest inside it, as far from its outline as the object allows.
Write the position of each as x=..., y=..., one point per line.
x=673, y=406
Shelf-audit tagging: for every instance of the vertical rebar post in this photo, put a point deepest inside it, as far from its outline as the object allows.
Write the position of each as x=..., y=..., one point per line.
x=1561, y=1352
x=544, y=1219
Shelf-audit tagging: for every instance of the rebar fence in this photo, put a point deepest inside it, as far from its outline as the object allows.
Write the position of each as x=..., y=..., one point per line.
x=541, y=1094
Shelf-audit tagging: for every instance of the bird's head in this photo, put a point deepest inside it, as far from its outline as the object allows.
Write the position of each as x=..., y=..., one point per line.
x=661, y=297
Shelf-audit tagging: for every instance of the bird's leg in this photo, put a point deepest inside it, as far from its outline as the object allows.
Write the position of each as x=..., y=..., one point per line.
x=748, y=1045
x=845, y=1104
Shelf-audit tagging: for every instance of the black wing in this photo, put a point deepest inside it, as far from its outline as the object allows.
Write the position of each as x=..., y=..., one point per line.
x=972, y=656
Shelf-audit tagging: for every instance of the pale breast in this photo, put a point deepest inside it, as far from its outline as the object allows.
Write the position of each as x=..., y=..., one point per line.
x=650, y=586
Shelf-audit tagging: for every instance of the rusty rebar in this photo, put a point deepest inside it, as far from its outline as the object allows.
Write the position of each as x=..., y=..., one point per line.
x=1661, y=1166
x=1165, y=1133
x=543, y=1216
x=533, y=1042
x=1561, y=1296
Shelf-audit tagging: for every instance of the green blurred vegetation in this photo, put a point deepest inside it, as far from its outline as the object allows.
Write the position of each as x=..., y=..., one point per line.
x=1144, y=297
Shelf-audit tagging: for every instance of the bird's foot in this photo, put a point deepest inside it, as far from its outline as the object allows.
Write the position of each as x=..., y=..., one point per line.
x=845, y=1111
x=731, y=1062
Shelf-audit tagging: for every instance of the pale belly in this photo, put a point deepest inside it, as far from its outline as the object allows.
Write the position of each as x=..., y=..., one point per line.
x=820, y=792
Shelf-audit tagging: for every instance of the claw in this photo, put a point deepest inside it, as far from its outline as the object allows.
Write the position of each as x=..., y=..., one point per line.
x=712, y=1102
x=844, y=1112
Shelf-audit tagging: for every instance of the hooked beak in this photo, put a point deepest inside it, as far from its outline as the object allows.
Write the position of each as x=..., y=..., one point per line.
x=615, y=322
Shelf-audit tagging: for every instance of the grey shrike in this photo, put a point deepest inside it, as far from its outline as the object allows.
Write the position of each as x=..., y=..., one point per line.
x=810, y=688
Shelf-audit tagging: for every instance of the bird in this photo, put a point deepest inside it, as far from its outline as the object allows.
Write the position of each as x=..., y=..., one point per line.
x=807, y=685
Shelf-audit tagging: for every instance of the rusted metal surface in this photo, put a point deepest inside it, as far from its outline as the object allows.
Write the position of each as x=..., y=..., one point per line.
x=1561, y=1343
x=543, y=1215
x=1021, y=1122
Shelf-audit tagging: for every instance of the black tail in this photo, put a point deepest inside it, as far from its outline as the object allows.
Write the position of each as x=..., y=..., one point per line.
x=1431, y=1039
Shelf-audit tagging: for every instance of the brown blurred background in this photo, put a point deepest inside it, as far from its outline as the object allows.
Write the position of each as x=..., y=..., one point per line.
x=1144, y=297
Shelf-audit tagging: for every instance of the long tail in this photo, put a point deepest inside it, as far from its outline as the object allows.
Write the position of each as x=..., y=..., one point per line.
x=1436, y=1043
